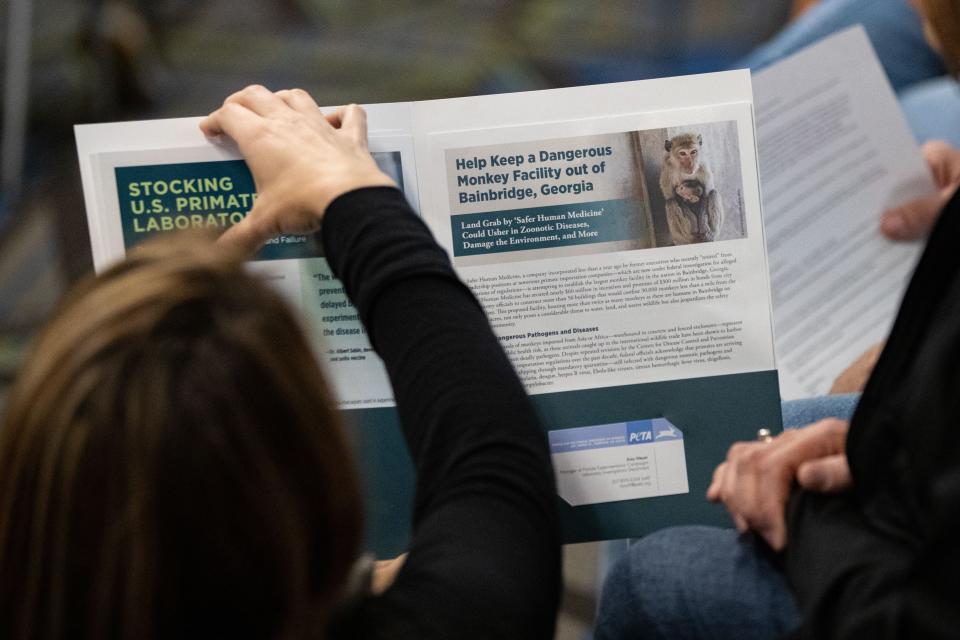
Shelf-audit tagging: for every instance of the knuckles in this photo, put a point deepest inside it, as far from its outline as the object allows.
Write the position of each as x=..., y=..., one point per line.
x=753, y=459
x=834, y=427
x=356, y=110
x=764, y=465
x=254, y=89
x=231, y=108
x=736, y=450
x=247, y=92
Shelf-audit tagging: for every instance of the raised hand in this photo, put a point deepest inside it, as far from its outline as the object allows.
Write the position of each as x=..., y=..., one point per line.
x=301, y=160
x=915, y=219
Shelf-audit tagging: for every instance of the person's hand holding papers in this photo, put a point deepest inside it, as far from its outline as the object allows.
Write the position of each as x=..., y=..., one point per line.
x=915, y=219
x=854, y=378
x=755, y=481
x=912, y=221
x=301, y=159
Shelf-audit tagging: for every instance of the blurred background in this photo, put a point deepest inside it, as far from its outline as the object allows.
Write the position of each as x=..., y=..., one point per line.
x=77, y=61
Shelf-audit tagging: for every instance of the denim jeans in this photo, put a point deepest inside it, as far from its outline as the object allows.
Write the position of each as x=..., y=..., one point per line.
x=932, y=109
x=930, y=99
x=893, y=26
x=705, y=582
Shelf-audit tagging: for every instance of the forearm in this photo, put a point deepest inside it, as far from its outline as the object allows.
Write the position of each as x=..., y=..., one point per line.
x=485, y=527
x=447, y=367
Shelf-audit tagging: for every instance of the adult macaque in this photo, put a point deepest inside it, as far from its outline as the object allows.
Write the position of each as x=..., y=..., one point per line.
x=693, y=206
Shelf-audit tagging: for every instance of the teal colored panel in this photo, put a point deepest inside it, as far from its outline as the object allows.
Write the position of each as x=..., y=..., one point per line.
x=169, y=197
x=545, y=227
x=711, y=412
x=388, y=478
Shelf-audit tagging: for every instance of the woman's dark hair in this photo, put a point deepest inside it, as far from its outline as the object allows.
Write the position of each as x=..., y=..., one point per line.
x=171, y=463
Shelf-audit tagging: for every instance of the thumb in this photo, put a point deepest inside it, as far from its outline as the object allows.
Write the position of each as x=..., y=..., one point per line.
x=942, y=160
x=249, y=234
x=825, y=475
x=913, y=220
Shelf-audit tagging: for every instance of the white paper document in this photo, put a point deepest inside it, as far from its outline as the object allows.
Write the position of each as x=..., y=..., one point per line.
x=835, y=152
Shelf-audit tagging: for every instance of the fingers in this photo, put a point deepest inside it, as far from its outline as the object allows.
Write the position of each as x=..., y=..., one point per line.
x=301, y=102
x=752, y=502
x=740, y=523
x=258, y=99
x=713, y=491
x=299, y=161
x=823, y=438
x=715, y=494
x=352, y=120
x=755, y=491
x=854, y=378
x=825, y=475
x=242, y=236
x=336, y=118
x=756, y=479
x=774, y=529
x=941, y=159
x=385, y=573
x=913, y=220
x=254, y=100
x=253, y=231
x=232, y=119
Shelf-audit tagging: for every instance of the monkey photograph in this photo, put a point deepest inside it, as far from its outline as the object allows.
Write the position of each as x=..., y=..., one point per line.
x=693, y=206
x=617, y=206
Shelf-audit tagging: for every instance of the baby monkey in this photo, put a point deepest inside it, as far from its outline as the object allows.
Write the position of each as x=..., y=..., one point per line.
x=693, y=206
x=690, y=191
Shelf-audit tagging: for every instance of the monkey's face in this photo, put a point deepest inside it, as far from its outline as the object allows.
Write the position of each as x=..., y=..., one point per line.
x=687, y=157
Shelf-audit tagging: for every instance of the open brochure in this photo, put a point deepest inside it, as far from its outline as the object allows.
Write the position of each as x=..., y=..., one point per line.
x=612, y=233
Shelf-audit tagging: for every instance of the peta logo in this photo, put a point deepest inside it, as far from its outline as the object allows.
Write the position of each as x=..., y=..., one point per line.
x=640, y=436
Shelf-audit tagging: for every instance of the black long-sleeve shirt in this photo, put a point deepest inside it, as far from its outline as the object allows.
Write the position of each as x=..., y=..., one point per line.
x=883, y=560
x=484, y=561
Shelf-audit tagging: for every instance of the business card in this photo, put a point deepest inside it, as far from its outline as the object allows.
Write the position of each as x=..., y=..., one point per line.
x=619, y=461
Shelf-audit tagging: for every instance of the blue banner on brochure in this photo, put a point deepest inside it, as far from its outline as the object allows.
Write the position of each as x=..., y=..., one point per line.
x=617, y=434
x=545, y=227
x=619, y=461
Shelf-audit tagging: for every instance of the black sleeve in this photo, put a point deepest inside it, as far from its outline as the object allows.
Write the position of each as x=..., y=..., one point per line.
x=485, y=556
x=854, y=581
x=882, y=561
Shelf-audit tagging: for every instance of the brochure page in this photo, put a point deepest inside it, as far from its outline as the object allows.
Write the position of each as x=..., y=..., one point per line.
x=140, y=190
x=615, y=240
